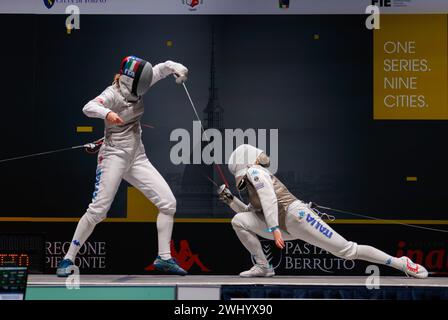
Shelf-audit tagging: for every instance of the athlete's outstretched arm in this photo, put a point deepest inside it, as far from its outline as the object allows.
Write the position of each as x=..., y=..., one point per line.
x=164, y=69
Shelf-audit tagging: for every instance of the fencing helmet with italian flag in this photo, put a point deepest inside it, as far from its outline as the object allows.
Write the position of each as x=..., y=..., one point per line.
x=136, y=75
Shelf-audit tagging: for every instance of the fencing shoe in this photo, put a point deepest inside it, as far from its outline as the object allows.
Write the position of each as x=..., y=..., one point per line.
x=169, y=266
x=258, y=271
x=65, y=268
x=413, y=269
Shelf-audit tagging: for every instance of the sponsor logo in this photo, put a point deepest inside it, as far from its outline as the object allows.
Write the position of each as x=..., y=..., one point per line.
x=192, y=5
x=91, y=255
x=411, y=266
x=184, y=257
x=301, y=214
x=391, y=3
x=318, y=226
x=77, y=243
x=254, y=172
x=49, y=3
x=283, y=4
x=430, y=254
x=382, y=3
x=273, y=256
x=303, y=257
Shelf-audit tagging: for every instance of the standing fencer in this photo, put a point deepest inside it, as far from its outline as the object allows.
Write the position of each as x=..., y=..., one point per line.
x=274, y=213
x=122, y=156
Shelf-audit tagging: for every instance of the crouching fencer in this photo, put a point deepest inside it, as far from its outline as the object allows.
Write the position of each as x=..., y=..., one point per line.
x=276, y=214
x=122, y=156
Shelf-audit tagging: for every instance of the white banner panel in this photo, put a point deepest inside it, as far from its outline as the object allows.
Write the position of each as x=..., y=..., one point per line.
x=222, y=6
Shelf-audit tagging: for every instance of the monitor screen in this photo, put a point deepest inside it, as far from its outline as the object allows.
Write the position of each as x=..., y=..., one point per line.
x=13, y=282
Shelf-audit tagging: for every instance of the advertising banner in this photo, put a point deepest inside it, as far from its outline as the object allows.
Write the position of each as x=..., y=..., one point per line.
x=153, y=7
x=214, y=249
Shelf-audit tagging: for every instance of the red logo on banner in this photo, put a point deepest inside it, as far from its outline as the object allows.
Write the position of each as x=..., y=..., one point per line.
x=193, y=3
x=184, y=257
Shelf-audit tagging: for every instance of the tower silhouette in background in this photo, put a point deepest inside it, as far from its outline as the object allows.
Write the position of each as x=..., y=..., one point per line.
x=197, y=197
x=213, y=112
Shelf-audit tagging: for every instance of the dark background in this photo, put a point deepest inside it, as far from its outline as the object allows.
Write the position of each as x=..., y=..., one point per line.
x=270, y=73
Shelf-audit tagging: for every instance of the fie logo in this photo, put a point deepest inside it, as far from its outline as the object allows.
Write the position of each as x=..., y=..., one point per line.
x=382, y=3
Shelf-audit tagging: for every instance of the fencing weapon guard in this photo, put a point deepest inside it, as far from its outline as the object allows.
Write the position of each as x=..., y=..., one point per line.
x=88, y=146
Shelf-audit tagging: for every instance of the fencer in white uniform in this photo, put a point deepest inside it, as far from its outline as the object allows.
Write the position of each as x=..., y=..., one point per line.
x=122, y=156
x=274, y=213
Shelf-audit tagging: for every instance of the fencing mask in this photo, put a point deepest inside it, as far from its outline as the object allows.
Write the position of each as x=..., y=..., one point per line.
x=136, y=76
x=242, y=158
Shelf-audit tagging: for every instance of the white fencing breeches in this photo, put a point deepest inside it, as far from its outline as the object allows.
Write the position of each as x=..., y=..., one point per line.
x=115, y=164
x=302, y=223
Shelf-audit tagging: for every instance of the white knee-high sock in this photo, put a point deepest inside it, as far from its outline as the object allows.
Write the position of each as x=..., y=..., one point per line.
x=252, y=244
x=84, y=229
x=164, y=230
x=374, y=255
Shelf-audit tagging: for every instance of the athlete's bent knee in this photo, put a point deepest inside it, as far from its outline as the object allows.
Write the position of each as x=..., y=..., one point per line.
x=169, y=206
x=349, y=252
x=93, y=218
x=238, y=221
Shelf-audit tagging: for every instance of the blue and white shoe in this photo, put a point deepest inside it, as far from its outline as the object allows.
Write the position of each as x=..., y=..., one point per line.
x=65, y=268
x=169, y=266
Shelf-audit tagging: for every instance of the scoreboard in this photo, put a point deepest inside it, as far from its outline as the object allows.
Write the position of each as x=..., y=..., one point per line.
x=23, y=250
